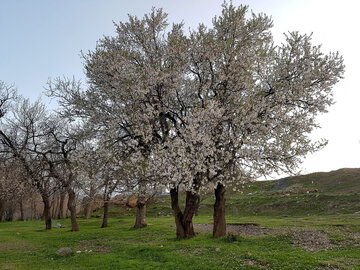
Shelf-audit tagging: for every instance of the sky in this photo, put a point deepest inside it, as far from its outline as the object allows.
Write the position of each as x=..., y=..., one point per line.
x=42, y=39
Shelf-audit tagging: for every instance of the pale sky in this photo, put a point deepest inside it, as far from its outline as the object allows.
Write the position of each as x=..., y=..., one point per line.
x=42, y=39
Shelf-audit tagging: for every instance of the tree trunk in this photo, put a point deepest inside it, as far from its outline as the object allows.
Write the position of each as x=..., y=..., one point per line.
x=72, y=209
x=197, y=206
x=183, y=221
x=46, y=213
x=33, y=209
x=140, y=213
x=54, y=204
x=219, y=212
x=88, y=207
x=180, y=231
x=1, y=210
x=190, y=208
x=61, y=205
x=106, y=213
x=21, y=210
x=9, y=214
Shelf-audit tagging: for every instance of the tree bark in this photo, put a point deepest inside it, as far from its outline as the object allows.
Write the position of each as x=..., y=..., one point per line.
x=72, y=209
x=88, y=208
x=1, y=210
x=54, y=206
x=61, y=205
x=33, y=209
x=190, y=208
x=46, y=213
x=140, y=213
x=180, y=231
x=183, y=221
x=197, y=206
x=219, y=212
x=21, y=210
x=106, y=213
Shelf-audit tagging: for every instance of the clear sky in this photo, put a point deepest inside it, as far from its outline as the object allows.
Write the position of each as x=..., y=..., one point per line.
x=42, y=39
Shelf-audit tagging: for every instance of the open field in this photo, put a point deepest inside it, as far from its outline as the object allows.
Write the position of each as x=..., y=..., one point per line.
x=274, y=225
x=326, y=242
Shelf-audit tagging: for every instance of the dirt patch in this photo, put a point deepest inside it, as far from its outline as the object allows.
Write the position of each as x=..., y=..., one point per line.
x=13, y=246
x=255, y=263
x=354, y=235
x=196, y=252
x=92, y=245
x=311, y=240
x=245, y=229
x=9, y=266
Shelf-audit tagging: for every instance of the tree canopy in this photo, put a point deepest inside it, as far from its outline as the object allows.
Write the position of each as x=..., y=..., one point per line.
x=220, y=104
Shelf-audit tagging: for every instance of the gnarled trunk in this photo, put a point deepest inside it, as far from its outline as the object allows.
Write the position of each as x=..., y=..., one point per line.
x=219, y=212
x=183, y=221
x=46, y=212
x=72, y=209
x=140, y=213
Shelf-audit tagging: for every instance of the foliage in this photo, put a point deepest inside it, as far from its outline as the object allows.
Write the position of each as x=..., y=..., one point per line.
x=221, y=104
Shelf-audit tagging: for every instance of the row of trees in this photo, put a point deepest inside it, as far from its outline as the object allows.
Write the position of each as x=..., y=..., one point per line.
x=162, y=108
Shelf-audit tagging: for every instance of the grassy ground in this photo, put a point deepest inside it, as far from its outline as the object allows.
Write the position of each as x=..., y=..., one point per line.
x=296, y=230
x=26, y=245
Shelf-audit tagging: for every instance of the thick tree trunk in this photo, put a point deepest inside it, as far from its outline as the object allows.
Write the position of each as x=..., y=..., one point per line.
x=61, y=205
x=106, y=213
x=219, y=212
x=180, y=231
x=183, y=221
x=190, y=208
x=72, y=209
x=46, y=213
x=140, y=213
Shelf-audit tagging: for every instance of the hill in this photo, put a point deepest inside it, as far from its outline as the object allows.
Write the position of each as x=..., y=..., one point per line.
x=335, y=192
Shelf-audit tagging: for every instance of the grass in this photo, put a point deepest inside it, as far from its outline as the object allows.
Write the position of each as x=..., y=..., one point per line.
x=26, y=245
x=331, y=211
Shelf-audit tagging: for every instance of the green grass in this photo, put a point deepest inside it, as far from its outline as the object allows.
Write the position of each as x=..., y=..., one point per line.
x=26, y=245
x=331, y=210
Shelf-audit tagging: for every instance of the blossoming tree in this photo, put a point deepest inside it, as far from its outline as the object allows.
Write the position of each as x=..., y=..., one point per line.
x=223, y=104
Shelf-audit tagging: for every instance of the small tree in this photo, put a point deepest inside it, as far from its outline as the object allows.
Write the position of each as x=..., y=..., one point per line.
x=41, y=144
x=57, y=149
x=14, y=189
x=21, y=138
